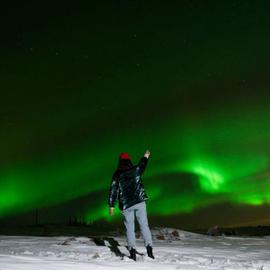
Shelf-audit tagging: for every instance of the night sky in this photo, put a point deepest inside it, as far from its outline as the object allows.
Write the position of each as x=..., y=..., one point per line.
x=189, y=80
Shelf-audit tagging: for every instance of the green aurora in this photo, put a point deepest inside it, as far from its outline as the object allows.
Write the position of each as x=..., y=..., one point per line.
x=192, y=89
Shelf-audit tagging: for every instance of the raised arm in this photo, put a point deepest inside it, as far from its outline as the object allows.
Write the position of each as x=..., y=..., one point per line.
x=143, y=162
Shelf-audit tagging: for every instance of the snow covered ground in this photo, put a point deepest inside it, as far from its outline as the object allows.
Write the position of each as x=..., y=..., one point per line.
x=173, y=249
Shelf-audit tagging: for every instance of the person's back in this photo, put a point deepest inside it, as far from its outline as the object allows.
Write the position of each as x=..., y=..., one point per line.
x=127, y=185
x=128, y=189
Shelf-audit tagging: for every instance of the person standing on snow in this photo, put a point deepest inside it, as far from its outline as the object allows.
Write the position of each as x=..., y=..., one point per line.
x=127, y=187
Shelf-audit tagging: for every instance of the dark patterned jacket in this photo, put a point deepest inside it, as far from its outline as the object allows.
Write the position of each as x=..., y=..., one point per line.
x=127, y=186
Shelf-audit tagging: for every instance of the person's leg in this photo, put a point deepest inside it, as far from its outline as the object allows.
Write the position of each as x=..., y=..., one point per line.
x=130, y=227
x=141, y=216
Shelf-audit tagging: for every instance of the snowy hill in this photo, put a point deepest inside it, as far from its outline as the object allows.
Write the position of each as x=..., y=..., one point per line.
x=173, y=249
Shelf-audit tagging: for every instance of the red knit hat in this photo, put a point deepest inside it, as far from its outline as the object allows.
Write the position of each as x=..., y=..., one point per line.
x=124, y=156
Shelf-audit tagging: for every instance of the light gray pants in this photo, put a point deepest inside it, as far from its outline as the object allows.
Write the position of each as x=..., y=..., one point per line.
x=138, y=210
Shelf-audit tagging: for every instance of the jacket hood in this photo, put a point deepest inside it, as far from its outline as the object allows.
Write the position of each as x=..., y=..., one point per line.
x=124, y=164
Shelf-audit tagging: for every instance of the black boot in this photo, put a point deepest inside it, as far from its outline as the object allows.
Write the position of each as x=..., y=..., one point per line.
x=150, y=252
x=132, y=252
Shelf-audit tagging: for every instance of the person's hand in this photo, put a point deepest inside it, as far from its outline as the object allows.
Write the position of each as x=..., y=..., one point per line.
x=111, y=211
x=147, y=153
